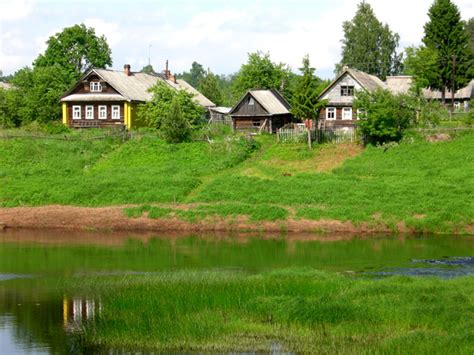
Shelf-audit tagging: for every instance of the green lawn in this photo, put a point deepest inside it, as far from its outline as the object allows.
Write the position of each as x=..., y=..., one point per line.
x=426, y=186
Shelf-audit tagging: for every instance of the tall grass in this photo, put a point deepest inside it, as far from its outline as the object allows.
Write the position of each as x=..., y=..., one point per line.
x=301, y=310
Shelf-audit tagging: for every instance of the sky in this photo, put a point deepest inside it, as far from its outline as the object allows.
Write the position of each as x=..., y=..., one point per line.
x=216, y=33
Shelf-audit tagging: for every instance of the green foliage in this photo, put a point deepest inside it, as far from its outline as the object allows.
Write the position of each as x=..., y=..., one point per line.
x=175, y=126
x=368, y=45
x=384, y=116
x=76, y=49
x=304, y=102
x=8, y=109
x=261, y=73
x=154, y=111
x=195, y=75
x=470, y=32
x=421, y=63
x=209, y=87
x=446, y=36
x=148, y=69
x=37, y=91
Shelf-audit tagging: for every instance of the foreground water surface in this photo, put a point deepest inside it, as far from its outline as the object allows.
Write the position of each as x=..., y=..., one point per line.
x=35, y=318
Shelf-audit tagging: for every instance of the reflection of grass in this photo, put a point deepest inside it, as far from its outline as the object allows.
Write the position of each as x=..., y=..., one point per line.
x=302, y=309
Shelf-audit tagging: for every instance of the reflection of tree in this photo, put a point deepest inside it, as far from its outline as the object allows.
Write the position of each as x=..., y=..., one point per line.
x=37, y=315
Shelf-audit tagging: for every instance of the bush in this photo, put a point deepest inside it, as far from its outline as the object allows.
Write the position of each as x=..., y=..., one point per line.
x=175, y=126
x=384, y=116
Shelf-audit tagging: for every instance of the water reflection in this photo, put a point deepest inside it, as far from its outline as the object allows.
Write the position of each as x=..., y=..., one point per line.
x=36, y=318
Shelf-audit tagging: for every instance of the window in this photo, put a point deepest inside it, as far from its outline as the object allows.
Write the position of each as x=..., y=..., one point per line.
x=102, y=112
x=115, y=112
x=95, y=86
x=76, y=112
x=251, y=101
x=347, y=113
x=331, y=113
x=256, y=123
x=89, y=112
x=347, y=90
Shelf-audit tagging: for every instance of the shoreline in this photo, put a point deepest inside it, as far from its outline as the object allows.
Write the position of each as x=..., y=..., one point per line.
x=113, y=219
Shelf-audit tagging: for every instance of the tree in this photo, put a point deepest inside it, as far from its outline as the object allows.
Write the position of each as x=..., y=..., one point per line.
x=470, y=32
x=383, y=115
x=175, y=126
x=148, y=69
x=209, y=87
x=195, y=75
x=369, y=45
x=36, y=93
x=76, y=49
x=445, y=34
x=305, y=104
x=261, y=73
x=154, y=111
x=421, y=63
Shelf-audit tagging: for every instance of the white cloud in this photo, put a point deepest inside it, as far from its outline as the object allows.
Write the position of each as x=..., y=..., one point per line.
x=110, y=30
x=13, y=10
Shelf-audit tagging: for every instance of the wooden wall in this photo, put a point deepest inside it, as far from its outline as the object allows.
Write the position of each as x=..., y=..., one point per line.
x=96, y=122
x=339, y=122
x=244, y=109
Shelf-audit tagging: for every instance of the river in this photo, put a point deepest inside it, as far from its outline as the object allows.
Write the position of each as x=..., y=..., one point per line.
x=37, y=318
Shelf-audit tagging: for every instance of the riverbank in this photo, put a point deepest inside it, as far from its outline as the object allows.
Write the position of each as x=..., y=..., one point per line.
x=236, y=183
x=117, y=219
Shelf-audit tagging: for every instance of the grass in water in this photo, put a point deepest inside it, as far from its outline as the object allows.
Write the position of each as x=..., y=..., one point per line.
x=301, y=310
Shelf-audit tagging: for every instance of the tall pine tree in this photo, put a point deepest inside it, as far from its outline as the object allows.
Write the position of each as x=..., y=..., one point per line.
x=445, y=34
x=305, y=104
x=369, y=45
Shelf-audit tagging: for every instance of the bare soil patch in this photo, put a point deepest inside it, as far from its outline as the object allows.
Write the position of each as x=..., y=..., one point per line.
x=113, y=219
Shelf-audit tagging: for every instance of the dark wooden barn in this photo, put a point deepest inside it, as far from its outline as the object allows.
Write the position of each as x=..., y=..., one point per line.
x=261, y=110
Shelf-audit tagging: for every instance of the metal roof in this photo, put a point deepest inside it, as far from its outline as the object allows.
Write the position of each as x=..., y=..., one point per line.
x=134, y=87
x=270, y=101
x=93, y=97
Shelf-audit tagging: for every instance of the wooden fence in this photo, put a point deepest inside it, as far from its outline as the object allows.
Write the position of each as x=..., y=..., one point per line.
x=320, y=136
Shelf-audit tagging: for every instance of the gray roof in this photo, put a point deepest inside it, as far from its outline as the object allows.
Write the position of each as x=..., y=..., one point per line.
x=367, y=81
x=5, y=86
x=221, y=109
x=399, y=84
x=135, y=87
x=465, y=93
x=270, y=101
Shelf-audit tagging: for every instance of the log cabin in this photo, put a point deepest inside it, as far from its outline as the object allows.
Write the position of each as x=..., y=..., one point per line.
x=109, y=98
x=259, y=110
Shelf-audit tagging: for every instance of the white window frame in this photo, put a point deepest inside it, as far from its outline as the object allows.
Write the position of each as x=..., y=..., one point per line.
x=89, y=112
x=76, y=112
x=251, y=101
x=102, y=112
x=344, y=110
x=115, y=112
x=95, y=86
x=333, y=111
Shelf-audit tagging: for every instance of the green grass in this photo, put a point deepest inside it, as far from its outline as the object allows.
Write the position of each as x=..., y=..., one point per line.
x=302, y=310
x=426, y=186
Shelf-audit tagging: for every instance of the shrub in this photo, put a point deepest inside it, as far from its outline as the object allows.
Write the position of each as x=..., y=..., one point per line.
x=175, y=126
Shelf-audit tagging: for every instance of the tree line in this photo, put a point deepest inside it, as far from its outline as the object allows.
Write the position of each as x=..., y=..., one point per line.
x=443, y=62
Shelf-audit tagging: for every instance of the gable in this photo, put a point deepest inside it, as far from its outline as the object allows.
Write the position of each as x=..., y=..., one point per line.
x=333, y=92
x=244, y=108
x=83, y=86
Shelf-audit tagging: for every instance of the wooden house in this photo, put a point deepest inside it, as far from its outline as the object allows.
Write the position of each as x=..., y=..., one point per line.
x=339, y=111
x=261, y=110
x=109, y=98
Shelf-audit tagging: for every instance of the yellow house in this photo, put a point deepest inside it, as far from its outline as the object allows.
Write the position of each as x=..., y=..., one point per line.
x=109, y=98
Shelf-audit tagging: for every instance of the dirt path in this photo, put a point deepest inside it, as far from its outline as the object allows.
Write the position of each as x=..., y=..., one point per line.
x=114, y=219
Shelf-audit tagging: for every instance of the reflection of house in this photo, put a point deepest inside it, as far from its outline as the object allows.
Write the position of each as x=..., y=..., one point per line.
x=105, y=98
x=261, y=110
x=339, y=111
x=77, y=310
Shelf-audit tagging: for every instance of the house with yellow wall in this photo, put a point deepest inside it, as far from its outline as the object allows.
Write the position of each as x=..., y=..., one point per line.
x=109, y=98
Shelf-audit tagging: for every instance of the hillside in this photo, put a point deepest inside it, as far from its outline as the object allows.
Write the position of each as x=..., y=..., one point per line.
x=414, y=186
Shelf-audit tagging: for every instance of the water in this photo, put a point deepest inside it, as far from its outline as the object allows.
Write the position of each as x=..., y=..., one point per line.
x=35, y=318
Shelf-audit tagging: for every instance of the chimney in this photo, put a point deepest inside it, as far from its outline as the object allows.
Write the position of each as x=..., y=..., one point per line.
x=126, y=69
x=168, y=74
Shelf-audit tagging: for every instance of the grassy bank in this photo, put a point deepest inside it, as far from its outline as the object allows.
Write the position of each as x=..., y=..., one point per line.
x=299, y=310
x=419, y=185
